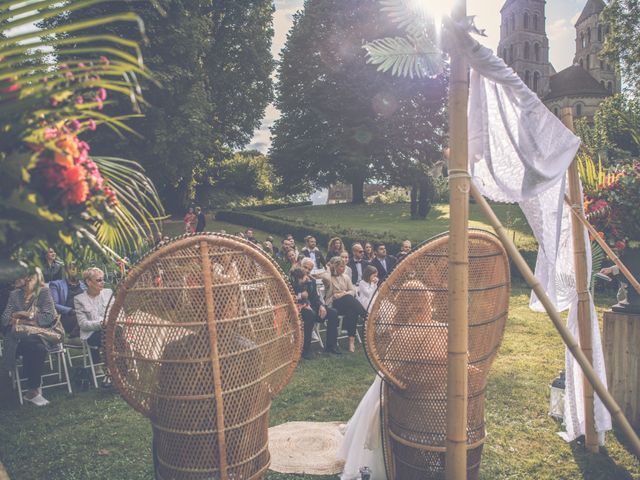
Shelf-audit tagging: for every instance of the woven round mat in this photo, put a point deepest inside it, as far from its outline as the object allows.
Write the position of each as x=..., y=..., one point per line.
x=306, y=447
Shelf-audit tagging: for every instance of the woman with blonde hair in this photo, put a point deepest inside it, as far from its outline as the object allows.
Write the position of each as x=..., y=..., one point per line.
x=30, y=303
x=335, y=248
x=341, y=295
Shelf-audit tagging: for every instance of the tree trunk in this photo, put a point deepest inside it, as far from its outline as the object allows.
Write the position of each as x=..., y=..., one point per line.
x=426, y=197
x=414, y=201
x=357, y=189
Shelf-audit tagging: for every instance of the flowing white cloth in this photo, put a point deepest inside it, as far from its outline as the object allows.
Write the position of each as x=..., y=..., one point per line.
x=520, y=152
x=362, y=444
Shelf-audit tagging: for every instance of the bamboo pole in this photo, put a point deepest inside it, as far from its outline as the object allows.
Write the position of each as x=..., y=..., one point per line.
x=571, y=343
x=458, y=271
x=582, y=288
x=579, y=214
x=215, y=358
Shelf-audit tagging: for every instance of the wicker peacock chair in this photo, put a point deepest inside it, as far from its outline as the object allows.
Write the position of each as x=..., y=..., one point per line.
x=406, y=340
x=202, y=334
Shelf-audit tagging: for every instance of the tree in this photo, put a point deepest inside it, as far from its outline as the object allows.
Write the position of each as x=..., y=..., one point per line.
x=342, y=120
x=622, y=44
x=213, y=64
x=615, y=127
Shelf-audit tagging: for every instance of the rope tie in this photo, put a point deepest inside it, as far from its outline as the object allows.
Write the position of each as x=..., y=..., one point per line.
x=459, y=173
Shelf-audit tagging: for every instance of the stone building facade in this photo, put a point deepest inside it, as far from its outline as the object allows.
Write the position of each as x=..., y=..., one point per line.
x=525, y=47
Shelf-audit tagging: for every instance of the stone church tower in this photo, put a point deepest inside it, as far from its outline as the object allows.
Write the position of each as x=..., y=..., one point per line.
x=525, y=47
x=524, y=44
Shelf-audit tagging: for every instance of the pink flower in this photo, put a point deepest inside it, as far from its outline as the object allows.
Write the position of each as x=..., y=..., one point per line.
x=102, y=94
x=91, y=125
x=81, y=65
x=10, y=88
x=74, y=125
x=50, y=133
x=620, y=244
x=104, y=60
x=54, y=102
x=79, y=99
x=69, y=75
x=99, y=102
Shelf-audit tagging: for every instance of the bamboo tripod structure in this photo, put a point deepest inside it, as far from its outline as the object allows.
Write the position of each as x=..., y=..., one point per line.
x=458, y=272
x=558, y=322
x=582, y=287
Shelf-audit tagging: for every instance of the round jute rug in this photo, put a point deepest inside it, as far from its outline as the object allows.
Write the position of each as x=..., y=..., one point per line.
x=306, y=447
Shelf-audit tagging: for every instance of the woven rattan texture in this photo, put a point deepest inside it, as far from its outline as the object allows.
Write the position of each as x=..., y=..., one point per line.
x=406, y=340
x=208, y=333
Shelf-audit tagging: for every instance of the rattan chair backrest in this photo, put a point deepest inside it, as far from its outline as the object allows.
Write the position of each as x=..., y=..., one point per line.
x=202, y=334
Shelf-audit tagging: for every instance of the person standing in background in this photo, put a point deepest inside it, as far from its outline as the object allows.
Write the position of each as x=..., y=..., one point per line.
x=201, y=221
x=52, y=268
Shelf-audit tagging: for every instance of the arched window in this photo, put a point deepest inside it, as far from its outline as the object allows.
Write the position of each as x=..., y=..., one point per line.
x=527, y=78
x=536, y=81
x=513, y=22
x=536, y=51
x=527, y=49
x=556, y=112
x=535, y=22
x=581, y=63
x=602, y=84
x=599, y=33
x=588, y=61
x=578, y=110
x=526, y=20
x=610, y=87
x=582, y=40
x=588, y=35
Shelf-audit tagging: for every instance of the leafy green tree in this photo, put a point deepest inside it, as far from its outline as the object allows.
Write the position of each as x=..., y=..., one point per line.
x=622, y=44
x=212, y=63
x=614, y=130
x=340, y=119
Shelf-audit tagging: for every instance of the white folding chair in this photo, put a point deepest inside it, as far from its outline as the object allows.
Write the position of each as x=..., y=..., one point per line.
x=56, y=351
x=76, y=344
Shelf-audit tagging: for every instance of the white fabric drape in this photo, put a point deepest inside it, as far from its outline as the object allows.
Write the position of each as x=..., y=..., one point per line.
x=520, y=152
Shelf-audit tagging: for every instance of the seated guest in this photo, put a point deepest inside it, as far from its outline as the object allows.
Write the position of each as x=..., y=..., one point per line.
x=340, y=294
x=267, y=246
x=369, y=253
x=63, y=293
x=347, y=269
x=29, y=303
x=383, y=262
x=404, y=250
x=335, y=248
x=312, y=251
x=358, y=263
x=368, y=286
x=52, y=268
x=91, y=309
x=249, y=236
x=312, y=310
x=292, y=260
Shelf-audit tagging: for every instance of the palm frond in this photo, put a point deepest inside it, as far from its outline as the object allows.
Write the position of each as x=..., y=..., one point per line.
x=597, y=259
x=405, y=56
x=413, y=20
x=139, y=208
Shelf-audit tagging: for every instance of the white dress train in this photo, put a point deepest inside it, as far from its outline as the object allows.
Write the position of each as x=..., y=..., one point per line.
x=362, y=444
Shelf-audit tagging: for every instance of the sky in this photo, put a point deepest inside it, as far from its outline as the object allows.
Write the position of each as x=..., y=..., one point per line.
x=561, y=18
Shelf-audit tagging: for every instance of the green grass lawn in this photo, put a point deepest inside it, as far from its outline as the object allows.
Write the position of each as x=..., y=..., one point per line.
x=394, y=219
x=95, y=435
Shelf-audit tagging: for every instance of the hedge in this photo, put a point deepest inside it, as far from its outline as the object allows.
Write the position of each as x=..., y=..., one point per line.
x=299, y=230
x=274, y=206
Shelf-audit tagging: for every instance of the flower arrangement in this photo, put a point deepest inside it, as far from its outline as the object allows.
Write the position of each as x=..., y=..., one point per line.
x=613, y=207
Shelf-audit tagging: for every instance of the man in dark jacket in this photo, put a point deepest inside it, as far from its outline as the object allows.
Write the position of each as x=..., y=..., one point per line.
x=383, y=262
x=201, y=222
x=312, y=310
x=313, y=252
x=357, y=264
x=63, y=293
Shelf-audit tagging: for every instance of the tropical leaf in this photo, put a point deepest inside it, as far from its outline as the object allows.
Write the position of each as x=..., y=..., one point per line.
x=415, y=21
x=597, y=259
x=405, y=56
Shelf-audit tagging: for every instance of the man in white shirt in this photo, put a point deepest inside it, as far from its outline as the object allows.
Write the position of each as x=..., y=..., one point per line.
x=311, y=251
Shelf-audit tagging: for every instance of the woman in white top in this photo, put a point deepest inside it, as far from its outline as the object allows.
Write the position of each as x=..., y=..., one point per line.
x=367, y=287
x=92, y=307
x=341, y=295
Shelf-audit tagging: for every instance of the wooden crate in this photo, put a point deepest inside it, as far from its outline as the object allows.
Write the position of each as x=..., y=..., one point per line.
x=621, y=344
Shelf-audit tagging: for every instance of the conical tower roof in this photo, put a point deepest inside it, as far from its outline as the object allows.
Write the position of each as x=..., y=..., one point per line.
x=592, y=7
